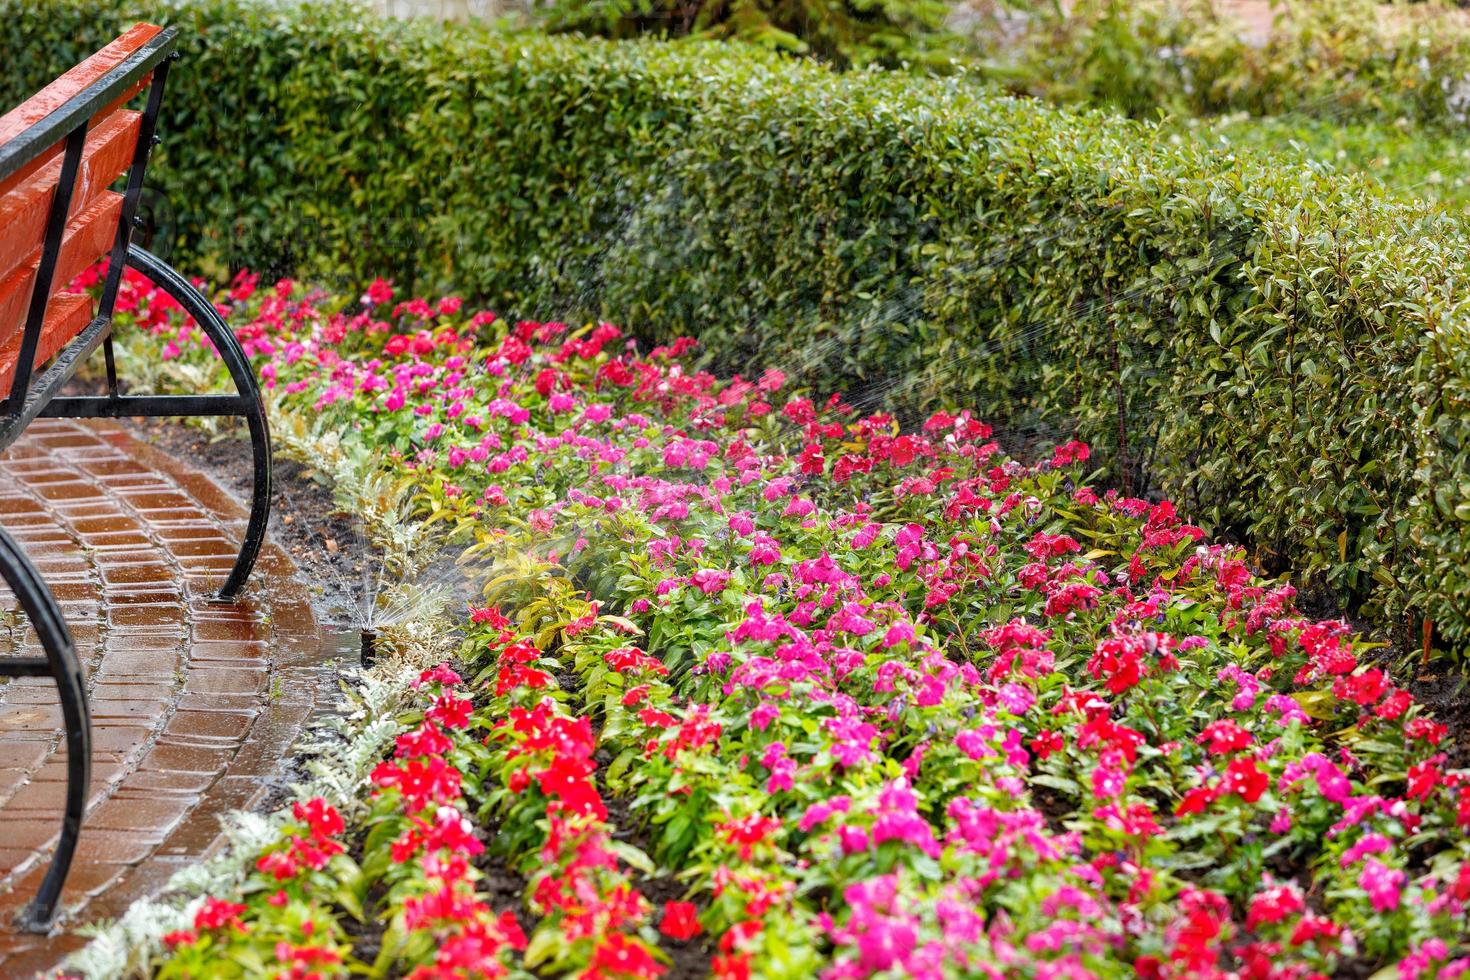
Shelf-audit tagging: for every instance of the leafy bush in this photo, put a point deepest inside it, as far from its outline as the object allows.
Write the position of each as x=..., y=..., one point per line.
x=843, y=32
x=1339, y=59
x=1410, y=161
x=1101, y=52
x=1276, y=345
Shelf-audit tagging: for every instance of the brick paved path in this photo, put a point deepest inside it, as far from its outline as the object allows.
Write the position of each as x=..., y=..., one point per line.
x=194, y=703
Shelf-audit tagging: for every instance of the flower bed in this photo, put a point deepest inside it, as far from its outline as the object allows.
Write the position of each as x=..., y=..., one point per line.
x=762, y=687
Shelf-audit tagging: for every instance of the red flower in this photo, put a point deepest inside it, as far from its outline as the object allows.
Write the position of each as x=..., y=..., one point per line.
x=314, y=855
x=421, y=782
x=380, y=291
x=746, y=832
x=566, y=780
x=1067, y=453
x=550, y=379
x=626, y=659
x=1196, y=800
x=306, y=955
x=1047, y=742
x=681, y=921
x=1430, y=731
x=450, y=711
x=424, y=740
x=1273, y=905
x=1394, y=705
x=444, y=674
x=657, y=719
x=813, y=462
x=1313, y=928
x=280, y=864
x=618, y=956
x=216, y=913
x=320, y=816
x=513, y=676
x=1051, y=545
x=484, y=614
x=1365, y=688
x=1245, y=779
x=1224, y=736
x=1423, y=778
x=735, y=966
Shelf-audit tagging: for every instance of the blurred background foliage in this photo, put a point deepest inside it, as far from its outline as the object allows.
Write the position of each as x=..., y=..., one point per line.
x=1362, y=86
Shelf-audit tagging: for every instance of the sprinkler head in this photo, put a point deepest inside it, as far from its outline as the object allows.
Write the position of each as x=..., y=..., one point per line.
x=369, y=647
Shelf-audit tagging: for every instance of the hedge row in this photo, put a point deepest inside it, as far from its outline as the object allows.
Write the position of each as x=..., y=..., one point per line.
x=1283, y=349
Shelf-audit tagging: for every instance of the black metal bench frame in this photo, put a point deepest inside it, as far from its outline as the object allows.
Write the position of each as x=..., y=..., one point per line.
x=36, y=394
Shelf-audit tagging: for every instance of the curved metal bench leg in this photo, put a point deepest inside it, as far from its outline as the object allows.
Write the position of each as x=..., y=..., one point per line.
x=61, y=664
x=225, y=342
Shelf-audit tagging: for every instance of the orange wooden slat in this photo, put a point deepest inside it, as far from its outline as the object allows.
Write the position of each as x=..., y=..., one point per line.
x=24, y=210
x=67, y=316
x=26, y=197
x=55, y=95
x=89, y=236
x=55, y=152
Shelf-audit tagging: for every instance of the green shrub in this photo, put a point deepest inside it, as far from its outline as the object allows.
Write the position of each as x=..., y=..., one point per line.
x=1282, y=349
x=1333, y=59
x=1412, y=162
x=845, y=33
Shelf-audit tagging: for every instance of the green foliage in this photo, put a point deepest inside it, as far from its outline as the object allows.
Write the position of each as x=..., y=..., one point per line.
x=1281, y=347
x=846, y=33
x=1337, y=59
x=1412, y=162
x=1119, y=53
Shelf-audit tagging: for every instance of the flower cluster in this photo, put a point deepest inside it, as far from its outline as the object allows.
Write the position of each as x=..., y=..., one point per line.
x=881, y=702
x=296, y=911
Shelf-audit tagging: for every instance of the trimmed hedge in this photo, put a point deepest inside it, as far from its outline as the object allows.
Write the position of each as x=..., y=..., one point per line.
x=1282, y=348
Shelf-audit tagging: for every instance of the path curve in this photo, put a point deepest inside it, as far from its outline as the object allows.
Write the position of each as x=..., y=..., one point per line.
x=194, y=703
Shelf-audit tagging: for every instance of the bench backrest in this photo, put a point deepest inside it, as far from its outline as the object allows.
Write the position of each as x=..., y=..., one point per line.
x=60, y=152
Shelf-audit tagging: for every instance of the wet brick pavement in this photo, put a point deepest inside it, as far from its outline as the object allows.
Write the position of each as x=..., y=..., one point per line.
x=194, y=703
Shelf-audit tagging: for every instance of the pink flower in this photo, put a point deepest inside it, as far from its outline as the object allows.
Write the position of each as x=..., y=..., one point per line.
x=380, y=291
x=1382, y=884
x=1369, y=844
x=764, y=550
x=710, y=581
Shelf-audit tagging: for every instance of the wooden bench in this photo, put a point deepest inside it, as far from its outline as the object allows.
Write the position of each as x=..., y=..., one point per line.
x=61, y=152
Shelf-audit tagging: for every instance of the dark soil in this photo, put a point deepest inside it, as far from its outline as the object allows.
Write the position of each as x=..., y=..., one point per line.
x=502, y=885
x=1444, y=689
x=691, y=958
x=366, y=936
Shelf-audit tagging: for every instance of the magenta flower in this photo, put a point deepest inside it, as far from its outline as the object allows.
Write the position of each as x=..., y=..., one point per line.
x=1382, y=883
